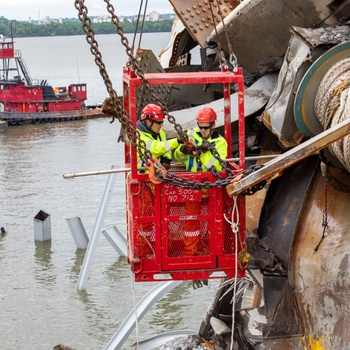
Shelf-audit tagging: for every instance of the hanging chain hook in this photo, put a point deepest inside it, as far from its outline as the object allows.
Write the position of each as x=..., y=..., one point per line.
x=232, y=56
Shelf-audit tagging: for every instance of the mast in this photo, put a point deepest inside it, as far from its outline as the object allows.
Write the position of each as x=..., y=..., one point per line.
x=8, y=55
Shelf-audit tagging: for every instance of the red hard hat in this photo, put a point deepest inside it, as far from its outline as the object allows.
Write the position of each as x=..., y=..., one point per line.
x=152, y=112
x=206, y=115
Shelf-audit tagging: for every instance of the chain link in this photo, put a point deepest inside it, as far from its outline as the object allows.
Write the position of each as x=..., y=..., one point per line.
x=222, y=162
x=132, y=133
x=133, y=62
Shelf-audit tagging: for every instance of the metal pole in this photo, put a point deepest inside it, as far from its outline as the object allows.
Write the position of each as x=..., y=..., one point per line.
x=101, y=172
x=125, y=170
x=267, y=156
x=91, y=248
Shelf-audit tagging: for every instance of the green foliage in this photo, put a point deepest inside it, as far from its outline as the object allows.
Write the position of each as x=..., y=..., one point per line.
x=25, y=29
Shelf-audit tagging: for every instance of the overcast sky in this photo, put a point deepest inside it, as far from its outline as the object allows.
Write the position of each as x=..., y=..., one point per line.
x=23, y=9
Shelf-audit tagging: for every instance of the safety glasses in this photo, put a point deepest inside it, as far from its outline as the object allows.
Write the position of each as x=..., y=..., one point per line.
x=159, y=122
x=204, y=127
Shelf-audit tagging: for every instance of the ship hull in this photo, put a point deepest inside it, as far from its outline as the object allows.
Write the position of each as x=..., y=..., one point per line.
x=13, y=119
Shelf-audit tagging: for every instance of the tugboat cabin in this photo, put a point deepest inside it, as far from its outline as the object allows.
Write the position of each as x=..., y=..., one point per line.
x=20, y=94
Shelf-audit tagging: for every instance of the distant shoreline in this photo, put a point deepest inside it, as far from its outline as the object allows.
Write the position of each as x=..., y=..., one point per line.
x=25, y=29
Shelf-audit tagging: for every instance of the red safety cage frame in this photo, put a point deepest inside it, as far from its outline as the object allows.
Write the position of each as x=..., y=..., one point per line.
x=161, y=208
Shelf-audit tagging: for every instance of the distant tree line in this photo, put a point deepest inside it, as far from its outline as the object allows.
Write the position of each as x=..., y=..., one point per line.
x=26, y=29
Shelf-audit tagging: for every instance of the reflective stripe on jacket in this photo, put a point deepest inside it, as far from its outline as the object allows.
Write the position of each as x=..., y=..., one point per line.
x=160, y=147
x=207, y=159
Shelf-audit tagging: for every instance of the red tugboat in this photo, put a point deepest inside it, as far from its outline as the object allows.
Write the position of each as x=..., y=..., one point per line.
x=24, y=100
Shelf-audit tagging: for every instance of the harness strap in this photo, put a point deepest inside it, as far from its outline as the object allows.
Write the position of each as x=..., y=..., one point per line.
x=191, y=160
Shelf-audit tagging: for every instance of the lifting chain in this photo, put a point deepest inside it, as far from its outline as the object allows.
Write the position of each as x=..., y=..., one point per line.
x=133, y=62
x=132, y=133
x=183, y=182
x=121, y=115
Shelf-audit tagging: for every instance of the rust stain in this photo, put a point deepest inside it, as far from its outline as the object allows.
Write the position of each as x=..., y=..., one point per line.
x=322, y=278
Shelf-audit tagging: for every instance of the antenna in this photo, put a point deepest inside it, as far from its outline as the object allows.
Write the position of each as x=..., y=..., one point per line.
x=78, y=70
x=11, y=30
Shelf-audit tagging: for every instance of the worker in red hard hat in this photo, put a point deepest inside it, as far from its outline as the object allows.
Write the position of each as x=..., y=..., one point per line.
x=205, y=138
x=150, y=128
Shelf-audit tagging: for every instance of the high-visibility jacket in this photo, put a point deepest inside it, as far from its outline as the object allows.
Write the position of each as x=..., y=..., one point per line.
x=192, y=228
x=207, y=159
x=158, y=145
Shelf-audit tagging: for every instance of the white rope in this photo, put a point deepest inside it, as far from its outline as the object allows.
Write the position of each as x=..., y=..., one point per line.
x=234, y=224
x=332, y=106
x=235, y=228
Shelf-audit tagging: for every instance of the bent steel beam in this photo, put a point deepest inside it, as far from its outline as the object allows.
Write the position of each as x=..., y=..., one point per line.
x=142, y=307
x=117, y=240
x=91, y=248
x=275, y=167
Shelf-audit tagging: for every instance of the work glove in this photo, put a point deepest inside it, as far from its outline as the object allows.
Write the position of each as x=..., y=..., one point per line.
x=204, y=147
x=181, y=137
x=189, y=151
x=165, y=162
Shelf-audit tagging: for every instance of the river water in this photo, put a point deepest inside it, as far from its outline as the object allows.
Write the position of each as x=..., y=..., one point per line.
x=40, y=306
